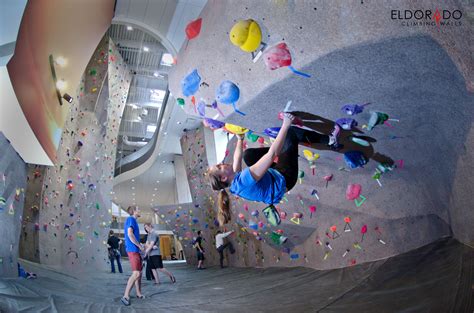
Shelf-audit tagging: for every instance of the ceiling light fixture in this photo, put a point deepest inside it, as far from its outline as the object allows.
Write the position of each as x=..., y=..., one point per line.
x=129, y=28
x=61, y=61
x=146, y=49
x=61, y=84
x=68, y=98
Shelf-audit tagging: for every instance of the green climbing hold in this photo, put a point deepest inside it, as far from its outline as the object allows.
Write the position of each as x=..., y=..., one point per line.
x=92, y=72
x=251, y=136
x=180, y=101
x=97, y=206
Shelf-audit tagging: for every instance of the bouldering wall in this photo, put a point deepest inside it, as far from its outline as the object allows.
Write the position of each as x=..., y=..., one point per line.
x=75, y=208
x=29, y=240
x=12, y=197
x=418, y=76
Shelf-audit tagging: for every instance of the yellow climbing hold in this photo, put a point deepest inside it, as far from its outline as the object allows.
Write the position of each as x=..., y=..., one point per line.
x=246, y=34
x=234, y=129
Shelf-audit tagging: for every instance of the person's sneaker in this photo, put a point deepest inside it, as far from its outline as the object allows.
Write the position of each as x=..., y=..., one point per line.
x=334, y=135
x=125, y=301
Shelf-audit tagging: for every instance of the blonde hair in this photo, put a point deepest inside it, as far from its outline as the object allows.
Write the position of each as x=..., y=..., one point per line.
x=223, y=200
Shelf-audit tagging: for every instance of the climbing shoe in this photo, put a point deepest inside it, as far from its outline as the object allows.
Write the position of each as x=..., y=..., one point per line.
x=272, y=215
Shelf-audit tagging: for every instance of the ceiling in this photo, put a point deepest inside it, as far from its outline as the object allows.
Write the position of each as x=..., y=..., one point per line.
x=157, y=186
x=144, y=54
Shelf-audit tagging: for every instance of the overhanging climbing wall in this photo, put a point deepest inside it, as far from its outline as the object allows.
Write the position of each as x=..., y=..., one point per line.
x=75, y=209
x=12, y=196
x=418, y=76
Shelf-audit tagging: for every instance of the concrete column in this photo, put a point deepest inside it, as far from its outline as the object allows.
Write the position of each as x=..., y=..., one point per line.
x=182, y=185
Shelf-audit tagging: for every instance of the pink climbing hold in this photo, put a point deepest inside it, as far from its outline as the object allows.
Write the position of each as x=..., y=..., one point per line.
x=277, y=56
x=353, y=191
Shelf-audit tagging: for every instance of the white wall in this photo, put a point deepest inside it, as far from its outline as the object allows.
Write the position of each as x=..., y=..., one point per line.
x=182, y=184
x=15, y=126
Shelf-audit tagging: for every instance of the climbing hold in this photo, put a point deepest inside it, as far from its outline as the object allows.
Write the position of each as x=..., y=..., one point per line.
x=280, y=56
x=376, y=118
x=272, y=131
x=193, y=29
x=353, y=191
x=180, y=102
x=190, y=83
x=312, y=209
x=363, y=231
x=246, y=34
x=328, y=178
x=347, y=226
x=234, y=129
x=213, y=124
x=353, y=109
x=228, y=93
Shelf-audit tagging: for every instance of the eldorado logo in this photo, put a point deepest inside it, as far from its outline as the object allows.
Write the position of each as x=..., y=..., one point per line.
x=428, y=17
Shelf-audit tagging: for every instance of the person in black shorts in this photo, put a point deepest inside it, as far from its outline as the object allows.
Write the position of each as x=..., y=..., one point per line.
x=199, y=250
x=154, y=255
x=113, y=244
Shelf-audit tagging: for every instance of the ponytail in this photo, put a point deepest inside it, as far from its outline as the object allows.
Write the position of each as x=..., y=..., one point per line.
x=223, y=212
x=223, y=200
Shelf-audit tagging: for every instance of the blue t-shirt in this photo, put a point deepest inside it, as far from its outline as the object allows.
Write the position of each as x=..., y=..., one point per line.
x=129, y=245
x=245, y=186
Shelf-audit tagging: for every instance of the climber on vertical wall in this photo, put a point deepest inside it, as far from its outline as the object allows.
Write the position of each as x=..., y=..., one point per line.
x=271, y=171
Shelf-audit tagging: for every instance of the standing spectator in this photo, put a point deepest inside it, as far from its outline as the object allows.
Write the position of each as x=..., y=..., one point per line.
x=154, y=254
x=179, y=248
x=133, y=248
x=113, y=244
x=221, y=246
x=199, y=250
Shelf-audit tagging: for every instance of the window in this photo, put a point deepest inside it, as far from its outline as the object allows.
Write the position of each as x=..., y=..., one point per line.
x=167, y=59
x=157, y=95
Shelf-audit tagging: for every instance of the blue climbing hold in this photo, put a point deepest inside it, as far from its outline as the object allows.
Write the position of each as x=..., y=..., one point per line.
x=190, y=83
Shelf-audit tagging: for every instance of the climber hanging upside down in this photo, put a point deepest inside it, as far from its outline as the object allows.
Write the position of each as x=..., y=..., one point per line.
x=271, y=171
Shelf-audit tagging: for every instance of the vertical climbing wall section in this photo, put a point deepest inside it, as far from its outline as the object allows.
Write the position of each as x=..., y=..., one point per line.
x=12, y=196
x=29, y=240
x=75, y=208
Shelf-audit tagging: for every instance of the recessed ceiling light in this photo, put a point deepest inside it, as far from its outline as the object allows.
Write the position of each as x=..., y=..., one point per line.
x=133, y=187
x=157, y=181
x=133, y=194
x=153, y=195
x=129, y=27
x=164, y=161
x=156, y=188
x=161, y=172
x=146, y=49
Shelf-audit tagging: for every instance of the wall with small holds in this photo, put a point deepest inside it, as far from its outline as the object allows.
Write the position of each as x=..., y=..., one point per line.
x=320, y=233
x=29, y=240
x=75, y=205
x=415, y=184
x=12, y=197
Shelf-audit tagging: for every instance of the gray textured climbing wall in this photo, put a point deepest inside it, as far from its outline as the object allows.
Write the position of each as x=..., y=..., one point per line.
x=12, y=196
x=75, y=208
x=29, y=240
x=419, y=76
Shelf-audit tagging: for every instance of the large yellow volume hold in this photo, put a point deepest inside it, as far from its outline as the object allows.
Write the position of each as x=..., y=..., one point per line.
x=235, y=129
x=246, y=34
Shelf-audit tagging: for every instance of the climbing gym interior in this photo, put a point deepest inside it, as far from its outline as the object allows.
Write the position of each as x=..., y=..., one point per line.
x=236, y=156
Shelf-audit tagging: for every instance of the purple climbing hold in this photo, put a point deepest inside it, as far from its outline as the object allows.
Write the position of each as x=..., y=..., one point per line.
x=272, y=131
x=346, y=123
x=353, y=109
